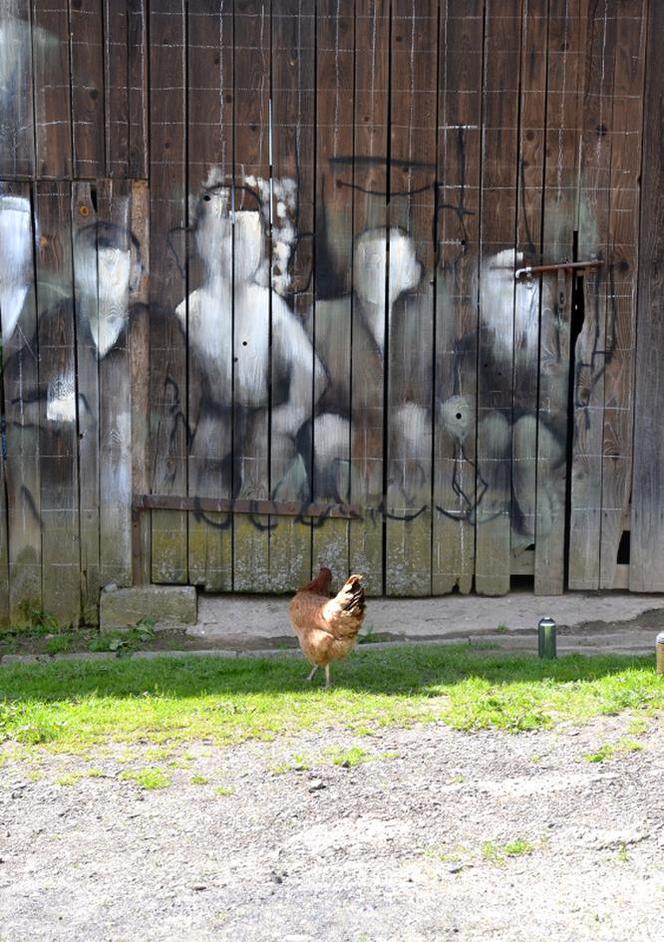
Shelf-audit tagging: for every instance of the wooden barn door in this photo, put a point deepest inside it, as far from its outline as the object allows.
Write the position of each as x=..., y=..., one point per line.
x=540, y=112
x=345, y=366
x=328, y=281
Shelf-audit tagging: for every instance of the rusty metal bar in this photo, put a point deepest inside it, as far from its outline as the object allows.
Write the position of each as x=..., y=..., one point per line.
x=275, y=508
x=540, y=269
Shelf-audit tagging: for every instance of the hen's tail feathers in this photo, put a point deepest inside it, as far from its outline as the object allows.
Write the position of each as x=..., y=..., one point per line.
x=351, y=596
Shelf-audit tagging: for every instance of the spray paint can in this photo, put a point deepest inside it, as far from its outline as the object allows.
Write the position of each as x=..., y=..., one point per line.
x=659, y=648
x=546, y=638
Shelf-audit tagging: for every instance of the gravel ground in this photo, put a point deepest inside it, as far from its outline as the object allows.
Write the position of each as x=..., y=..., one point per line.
x=392, y=849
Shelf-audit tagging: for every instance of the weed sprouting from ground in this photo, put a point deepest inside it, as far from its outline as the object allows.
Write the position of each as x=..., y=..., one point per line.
x=499, y=853
x=622, y=747
x=149, y=778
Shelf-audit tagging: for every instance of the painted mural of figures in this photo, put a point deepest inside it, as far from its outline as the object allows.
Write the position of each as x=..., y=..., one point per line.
x=20, y=419
x=506, y=479
x=60, y=366
x=106, y=262
x=333, y=423
x=229, y=324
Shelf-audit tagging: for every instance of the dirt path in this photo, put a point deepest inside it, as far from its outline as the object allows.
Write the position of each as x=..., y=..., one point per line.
x=413, y=845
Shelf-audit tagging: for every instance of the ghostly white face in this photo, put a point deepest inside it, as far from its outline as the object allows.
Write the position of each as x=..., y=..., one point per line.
x=370, y=264
x=214, y=237
x=114, y=270
x=104, y=274
x=15, y=259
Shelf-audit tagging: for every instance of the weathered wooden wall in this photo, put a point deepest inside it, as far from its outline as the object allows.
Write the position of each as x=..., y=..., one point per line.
x=257, y=259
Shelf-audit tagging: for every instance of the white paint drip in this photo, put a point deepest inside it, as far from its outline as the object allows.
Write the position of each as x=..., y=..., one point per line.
x=369, y=270
x=102, y=283
x=15, y=260
x=498, y=300
x=61, y=399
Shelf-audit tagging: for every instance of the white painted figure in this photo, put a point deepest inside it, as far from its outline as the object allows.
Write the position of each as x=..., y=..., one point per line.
x=16, y=253
x=237, y=367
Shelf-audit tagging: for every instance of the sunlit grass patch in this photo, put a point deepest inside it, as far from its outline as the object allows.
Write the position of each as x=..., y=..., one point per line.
x=149, y=778
x=73, y=706
x=70, y=778
x=298, y=763
x=499, y=853
x=349, y=758
x=622, y=747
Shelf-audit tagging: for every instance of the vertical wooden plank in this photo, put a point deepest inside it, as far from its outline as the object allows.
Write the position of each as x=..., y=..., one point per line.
x=21, y=404
x=590, y=352
x=50, y=53
x=527, y=297
x=621, y=289
x=117, y=263
x=86, y=306
x=210, y=299
x=459, y=144
x=369, y=265
x=565, y=73
x=4, y=542
x=496, y=339
x=168, y=361
x=17, y=152
x=251, y=292
x=295, y=374
x=58, y=443
x=410, y=304
x=646, y=571
x=116, y=88
x=331, y=325
x=87, y=87
x=137, y=64
x=139, y=344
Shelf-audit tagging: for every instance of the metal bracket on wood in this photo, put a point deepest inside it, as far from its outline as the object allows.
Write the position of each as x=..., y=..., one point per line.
x=531, y=270
x=275, y=508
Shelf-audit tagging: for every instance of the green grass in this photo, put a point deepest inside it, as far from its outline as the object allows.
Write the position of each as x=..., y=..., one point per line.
x=74, y=705
x=59, y=644
x=299, y=763
x=608, y=751
x=349, y=758
x=70, y=778
x=498, y=854
x=150, y=778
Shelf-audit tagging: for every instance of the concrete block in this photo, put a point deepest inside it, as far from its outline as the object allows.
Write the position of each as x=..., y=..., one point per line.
x=169, y=605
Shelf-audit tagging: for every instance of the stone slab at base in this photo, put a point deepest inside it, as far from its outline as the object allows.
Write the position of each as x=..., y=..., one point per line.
x=170, y=606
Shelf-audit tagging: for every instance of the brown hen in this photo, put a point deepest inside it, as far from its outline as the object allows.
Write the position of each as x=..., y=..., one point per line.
x=327, y=627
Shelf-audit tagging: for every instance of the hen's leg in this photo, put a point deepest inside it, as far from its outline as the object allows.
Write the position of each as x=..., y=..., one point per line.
x=311, y=675
x=328, y=682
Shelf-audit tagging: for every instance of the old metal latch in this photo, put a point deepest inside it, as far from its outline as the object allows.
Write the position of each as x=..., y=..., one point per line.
x=531, y=270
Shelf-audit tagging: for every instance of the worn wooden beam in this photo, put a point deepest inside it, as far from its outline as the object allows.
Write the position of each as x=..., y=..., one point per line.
x=646, y=570
x=296, y=376
x=277, y=508
x=410, y=301
x=369, y=180
x=502, y=58
x=591, y=353
x=457, y=221
x=209, y=299
x=331, y=317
